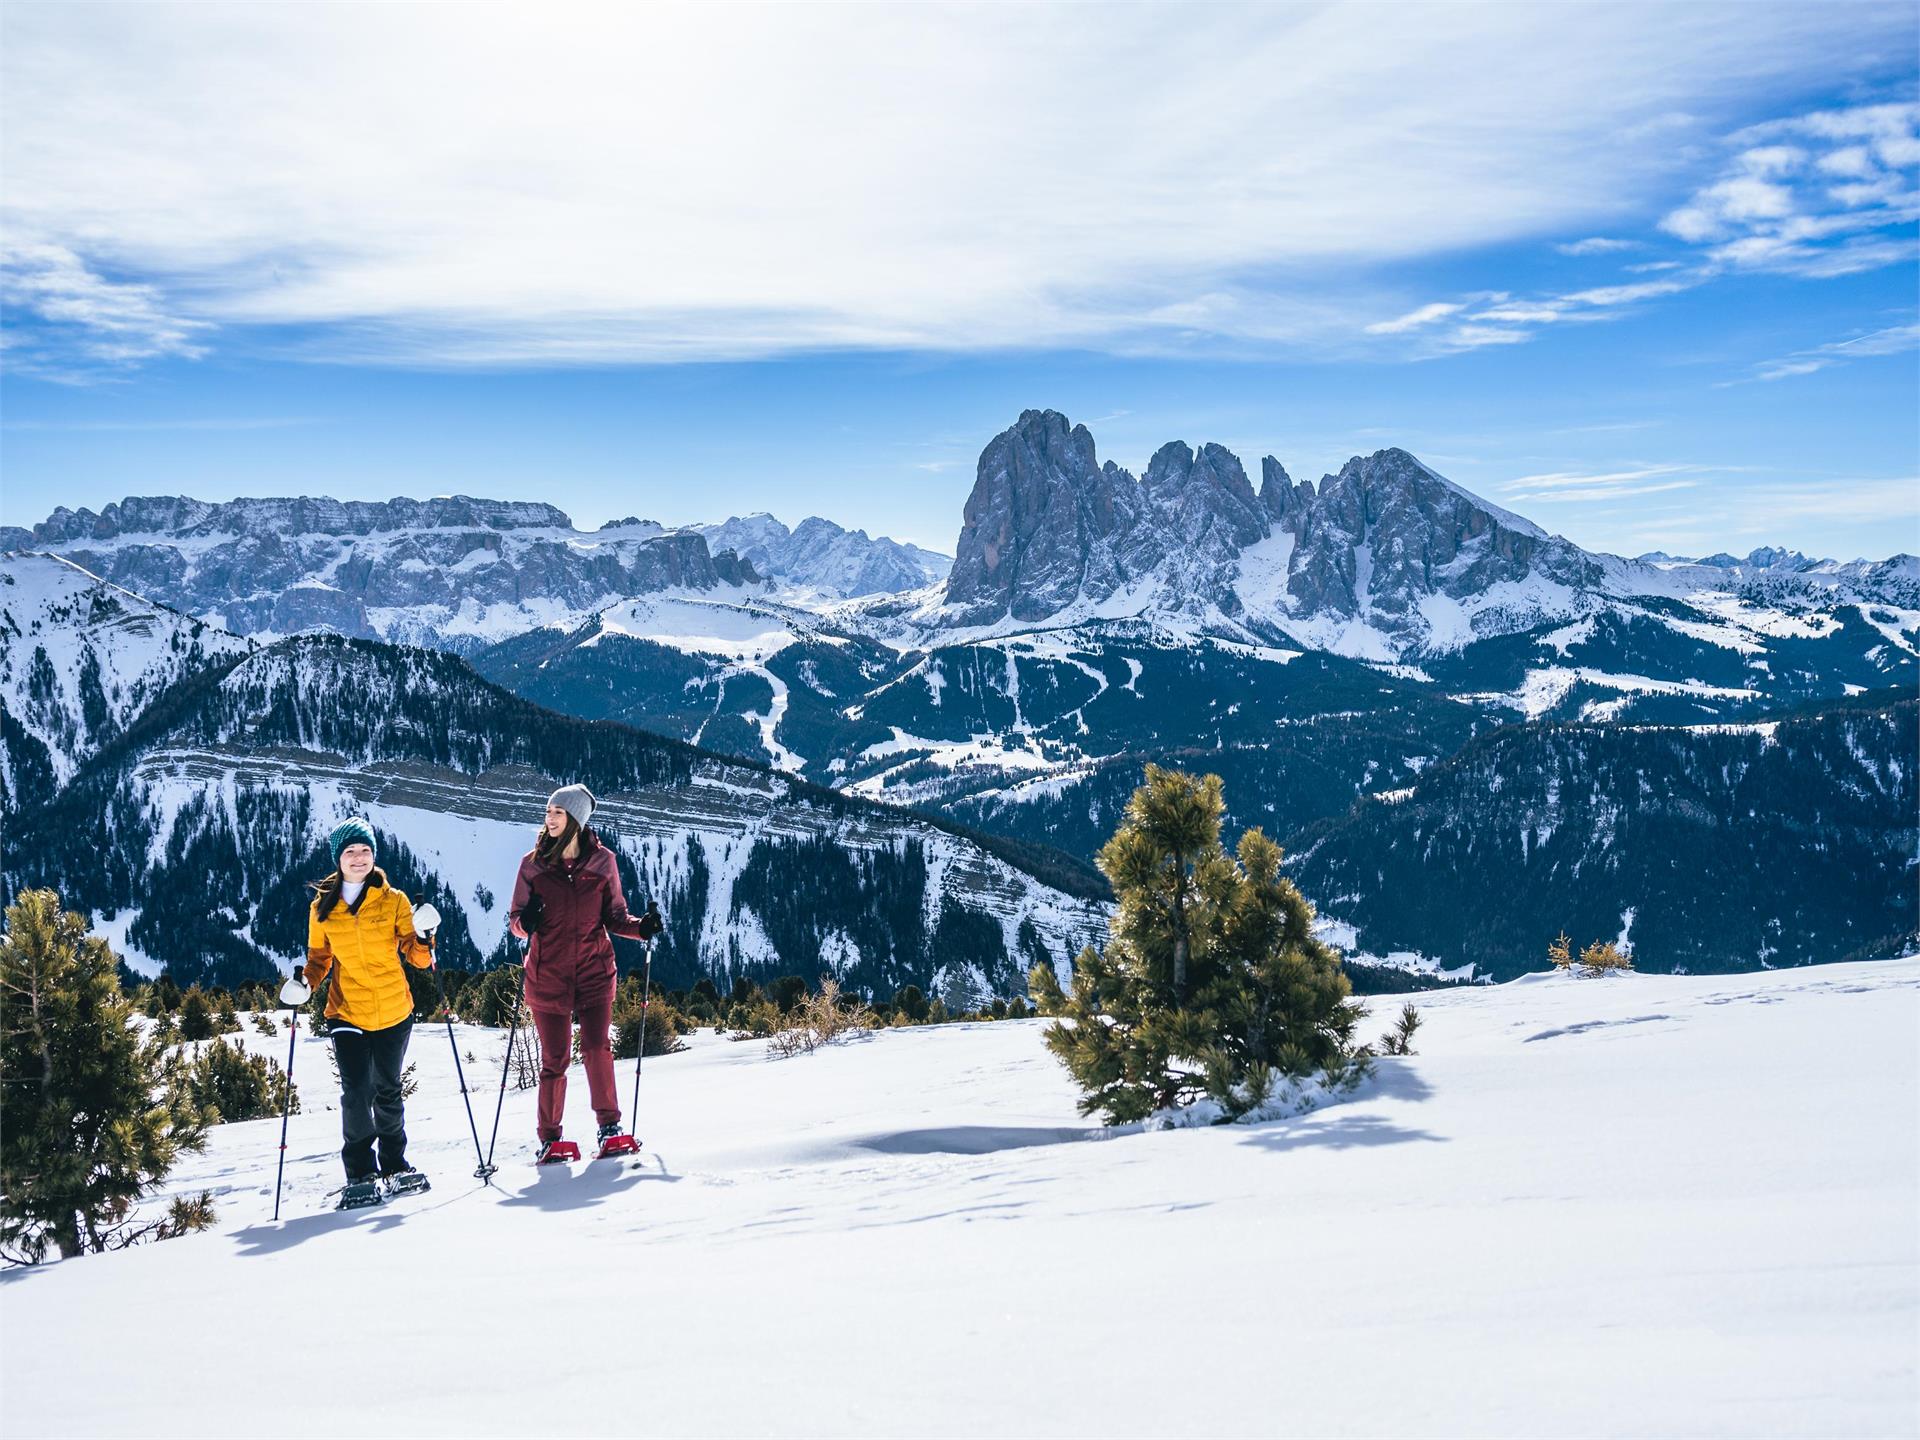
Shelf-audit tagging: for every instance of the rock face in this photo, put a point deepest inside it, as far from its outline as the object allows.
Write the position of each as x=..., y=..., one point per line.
x=1037, y=530
x=456, y=572
x=1387, y=532
x=1384, y=559
x=818, y=559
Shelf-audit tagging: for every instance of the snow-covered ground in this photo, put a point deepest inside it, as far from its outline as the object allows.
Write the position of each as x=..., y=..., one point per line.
x=1642, y=1205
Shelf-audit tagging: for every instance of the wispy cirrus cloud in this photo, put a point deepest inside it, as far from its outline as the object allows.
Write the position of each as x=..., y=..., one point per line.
x=77, y=313
x=1597, y=245
x=210, y=422
x=1893, y=340
x=1415, y=319
x=1589, y=487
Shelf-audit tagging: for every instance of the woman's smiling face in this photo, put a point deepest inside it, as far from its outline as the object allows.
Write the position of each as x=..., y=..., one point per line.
x=356, y=862
x=556, y=821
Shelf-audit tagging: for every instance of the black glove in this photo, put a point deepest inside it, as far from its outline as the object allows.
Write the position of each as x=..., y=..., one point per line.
x=533, y=914
x=650, y=923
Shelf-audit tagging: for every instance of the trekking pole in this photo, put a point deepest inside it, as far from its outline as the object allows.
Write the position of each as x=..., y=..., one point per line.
x=293, y=995
x=640, y=1059
x=506, y=1064
x=485, y=1172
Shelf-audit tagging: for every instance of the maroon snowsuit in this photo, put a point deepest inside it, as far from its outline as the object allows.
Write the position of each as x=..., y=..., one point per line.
x=570, y=971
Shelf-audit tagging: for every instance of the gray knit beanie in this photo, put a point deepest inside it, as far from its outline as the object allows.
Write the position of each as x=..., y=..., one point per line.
x=354, y=830
x=576, y=800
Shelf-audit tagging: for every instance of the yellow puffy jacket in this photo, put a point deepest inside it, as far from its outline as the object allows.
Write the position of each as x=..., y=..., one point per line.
x=364, y=946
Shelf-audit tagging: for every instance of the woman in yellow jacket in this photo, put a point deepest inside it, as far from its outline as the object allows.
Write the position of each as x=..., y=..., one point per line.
x=360, y=929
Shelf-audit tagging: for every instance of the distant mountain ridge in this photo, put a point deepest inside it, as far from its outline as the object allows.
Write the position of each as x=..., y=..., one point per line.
x=821, y=559
x=454, y=572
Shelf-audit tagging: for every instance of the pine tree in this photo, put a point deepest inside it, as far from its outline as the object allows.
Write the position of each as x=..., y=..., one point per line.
x=224, y=1079
x=1212, y=983
x=911, y=1002
x=94, y=1114
x=663, y=1023
x=196, y=1015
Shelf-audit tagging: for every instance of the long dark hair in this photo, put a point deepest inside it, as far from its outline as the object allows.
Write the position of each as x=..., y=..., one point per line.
x=548, y=848
x=326, y=891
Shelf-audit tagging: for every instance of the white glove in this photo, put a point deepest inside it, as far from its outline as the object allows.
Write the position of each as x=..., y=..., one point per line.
x=295, y=991
x=426, y=920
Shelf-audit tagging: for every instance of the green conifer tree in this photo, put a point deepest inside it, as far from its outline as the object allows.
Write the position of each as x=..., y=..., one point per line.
x=1212, y=983
x=94, y=1116
x=226, y=1080
x=196, y=1015
x=911, y=1002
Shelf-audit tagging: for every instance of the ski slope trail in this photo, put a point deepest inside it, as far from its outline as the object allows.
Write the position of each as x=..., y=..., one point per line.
x=1640, y=1205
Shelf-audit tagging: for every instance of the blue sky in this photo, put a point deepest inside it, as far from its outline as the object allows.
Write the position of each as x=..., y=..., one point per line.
x=1645, y=274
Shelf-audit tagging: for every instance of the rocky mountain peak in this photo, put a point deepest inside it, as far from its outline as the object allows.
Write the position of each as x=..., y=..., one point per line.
x=1034, y=531
x=1048, y=528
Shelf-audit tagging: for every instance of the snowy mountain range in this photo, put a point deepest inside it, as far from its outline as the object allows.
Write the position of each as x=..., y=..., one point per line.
x=455, y=572
x=1317, y=646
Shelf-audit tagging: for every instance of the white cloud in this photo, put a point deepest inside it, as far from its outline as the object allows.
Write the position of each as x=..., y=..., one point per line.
x=102, y=320
x=1893, y=340
x=1414, y=319
x=510, y=183
x=1598, y=493
x=1586, y=488
x=1850, y=160
x=1776, y=207
x=1574, y=479
x=1596, y=245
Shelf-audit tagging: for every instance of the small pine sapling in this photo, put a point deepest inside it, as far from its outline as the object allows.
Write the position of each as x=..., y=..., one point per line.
x=1399, y=1040
x=1560, y=952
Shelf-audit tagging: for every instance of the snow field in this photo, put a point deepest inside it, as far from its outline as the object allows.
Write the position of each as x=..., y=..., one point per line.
x=1647, y=1204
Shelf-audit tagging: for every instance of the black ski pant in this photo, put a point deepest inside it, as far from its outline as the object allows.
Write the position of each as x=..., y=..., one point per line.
x=370, y=1102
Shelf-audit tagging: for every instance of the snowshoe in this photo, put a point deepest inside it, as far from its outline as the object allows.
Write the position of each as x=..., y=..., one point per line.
x=615, y=1141
x=359, y=1194
x=557, y=1152
x=407, y=1182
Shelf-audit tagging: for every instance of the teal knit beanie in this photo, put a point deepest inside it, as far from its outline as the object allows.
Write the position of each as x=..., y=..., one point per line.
x=354, y=830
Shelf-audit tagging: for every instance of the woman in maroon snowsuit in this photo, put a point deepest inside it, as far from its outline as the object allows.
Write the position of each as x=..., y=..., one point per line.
x=567, y=904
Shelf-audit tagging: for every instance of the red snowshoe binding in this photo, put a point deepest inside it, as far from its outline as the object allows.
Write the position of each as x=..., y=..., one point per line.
x=614, y=1141
x=558, y=1152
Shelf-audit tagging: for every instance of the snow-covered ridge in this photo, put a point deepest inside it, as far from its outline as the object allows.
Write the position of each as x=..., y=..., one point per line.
x=82, y=657
x=818, y=562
